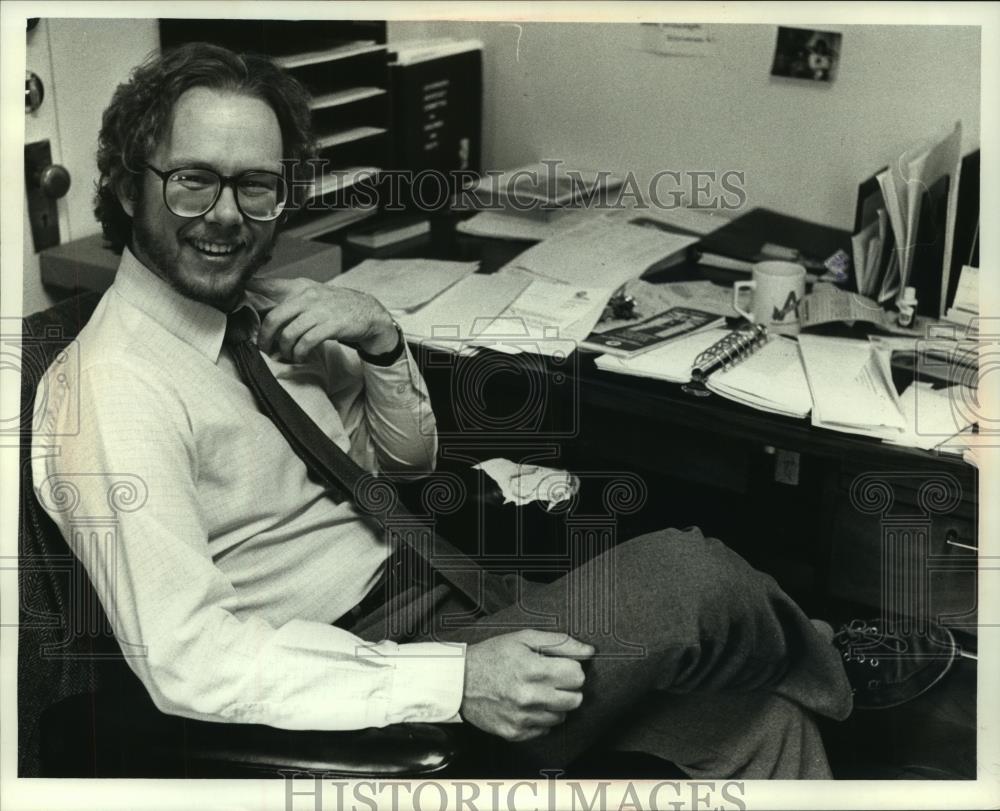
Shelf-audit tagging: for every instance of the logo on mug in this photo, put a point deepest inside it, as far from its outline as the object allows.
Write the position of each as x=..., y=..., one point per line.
x=791, y=305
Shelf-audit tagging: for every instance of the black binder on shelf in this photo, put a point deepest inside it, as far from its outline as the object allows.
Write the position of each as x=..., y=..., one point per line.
x=436, y=114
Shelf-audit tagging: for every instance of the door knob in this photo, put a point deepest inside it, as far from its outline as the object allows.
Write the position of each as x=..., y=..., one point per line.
x=54, y=181
x=34, y=92
x=44, y=182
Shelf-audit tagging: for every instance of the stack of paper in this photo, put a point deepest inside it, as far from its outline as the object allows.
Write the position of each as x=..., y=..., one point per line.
x=547, y=318
x=870, y=247
x=851, y=385
x=404, y=285
x=885, y=247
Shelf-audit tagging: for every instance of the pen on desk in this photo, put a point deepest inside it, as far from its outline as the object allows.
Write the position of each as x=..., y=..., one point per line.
x=723, y=262
x=714, y=260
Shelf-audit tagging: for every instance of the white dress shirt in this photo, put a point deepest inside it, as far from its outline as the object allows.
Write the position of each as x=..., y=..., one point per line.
x=230, y=563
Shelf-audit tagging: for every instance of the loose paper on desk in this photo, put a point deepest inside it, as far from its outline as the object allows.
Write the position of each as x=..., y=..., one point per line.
x=462, y=311
x=552, y=315
x=523, y=483
x=851, y=386
x=934, y=416
x=404, y=284
x=683, y=220
x=503, y=225
x=601, y=253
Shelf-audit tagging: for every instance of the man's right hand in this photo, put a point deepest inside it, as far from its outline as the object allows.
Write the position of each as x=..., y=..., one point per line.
x=519, y=685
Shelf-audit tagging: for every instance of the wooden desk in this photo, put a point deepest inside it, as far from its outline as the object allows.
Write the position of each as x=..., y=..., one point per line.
x=855, y=509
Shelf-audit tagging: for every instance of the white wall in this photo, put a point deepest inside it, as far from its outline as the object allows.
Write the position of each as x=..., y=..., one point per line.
x=90, y=58
x=588, y=94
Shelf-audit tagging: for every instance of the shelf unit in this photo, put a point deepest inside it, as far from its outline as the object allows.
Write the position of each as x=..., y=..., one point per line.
x=344, y=65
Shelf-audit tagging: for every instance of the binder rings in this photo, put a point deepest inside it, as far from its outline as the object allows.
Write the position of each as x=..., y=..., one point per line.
x=730, y=350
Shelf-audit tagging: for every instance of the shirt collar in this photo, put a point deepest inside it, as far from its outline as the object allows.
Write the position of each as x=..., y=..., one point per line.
x=197, y=324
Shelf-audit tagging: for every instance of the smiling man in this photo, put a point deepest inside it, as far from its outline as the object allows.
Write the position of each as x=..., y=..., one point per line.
x=205, y=238
x=259, y=592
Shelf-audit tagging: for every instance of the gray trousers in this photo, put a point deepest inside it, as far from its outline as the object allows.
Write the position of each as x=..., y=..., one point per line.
x=701, y=659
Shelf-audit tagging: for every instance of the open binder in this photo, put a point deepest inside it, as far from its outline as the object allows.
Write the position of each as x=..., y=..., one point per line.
x=747, y=366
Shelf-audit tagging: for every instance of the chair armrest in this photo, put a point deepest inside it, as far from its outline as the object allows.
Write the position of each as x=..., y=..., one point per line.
x=111, y=734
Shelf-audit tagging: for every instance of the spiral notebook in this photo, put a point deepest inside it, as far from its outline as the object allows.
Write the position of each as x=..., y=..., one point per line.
x=750, y=367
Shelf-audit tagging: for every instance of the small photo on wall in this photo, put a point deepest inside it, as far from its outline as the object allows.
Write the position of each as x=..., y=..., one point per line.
x=802, y=53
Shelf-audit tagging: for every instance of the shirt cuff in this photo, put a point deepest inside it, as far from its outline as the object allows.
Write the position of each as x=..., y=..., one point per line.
x=398, y=385
x=428, y=683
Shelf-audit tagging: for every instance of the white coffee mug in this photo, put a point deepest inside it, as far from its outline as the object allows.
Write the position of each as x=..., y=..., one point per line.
x=777, y=288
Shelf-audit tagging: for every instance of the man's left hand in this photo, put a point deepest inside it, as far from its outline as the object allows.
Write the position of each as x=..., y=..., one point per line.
x=308, y=313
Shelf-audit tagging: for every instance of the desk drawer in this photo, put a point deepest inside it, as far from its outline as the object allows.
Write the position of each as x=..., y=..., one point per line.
x=908, y=553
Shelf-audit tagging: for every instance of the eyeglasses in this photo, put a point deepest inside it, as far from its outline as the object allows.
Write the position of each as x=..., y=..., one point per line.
x=193, y=192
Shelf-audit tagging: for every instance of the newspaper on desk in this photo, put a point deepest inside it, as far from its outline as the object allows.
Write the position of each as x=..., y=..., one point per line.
x=828, y=303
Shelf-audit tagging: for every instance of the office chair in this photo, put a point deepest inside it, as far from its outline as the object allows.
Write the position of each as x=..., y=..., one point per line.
x=81, y=710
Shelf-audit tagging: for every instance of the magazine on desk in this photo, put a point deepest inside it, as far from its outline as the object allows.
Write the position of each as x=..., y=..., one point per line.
x=633, y=339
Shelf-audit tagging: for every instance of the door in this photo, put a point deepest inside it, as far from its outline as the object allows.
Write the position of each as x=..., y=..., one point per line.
x=40, y=125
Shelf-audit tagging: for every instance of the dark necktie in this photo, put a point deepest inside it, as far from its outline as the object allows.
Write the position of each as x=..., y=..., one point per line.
x=345, y=478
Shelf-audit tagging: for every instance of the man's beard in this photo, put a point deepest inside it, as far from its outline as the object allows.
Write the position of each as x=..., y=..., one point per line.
x=164, y=257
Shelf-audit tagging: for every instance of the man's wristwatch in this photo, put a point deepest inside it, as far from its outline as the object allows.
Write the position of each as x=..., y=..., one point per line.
x=390, y=357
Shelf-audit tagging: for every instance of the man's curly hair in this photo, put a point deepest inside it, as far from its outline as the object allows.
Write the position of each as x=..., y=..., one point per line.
x=141, y=112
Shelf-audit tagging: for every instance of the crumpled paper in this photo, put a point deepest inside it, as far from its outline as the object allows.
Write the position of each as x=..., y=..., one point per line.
x=523, y=483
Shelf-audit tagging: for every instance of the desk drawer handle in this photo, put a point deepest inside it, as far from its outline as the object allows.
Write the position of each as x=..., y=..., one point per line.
x=951, y=538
